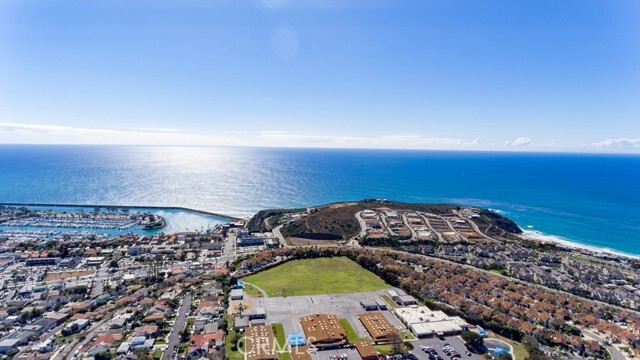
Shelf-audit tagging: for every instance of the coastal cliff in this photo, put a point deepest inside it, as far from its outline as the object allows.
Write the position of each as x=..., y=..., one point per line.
x=338, y=221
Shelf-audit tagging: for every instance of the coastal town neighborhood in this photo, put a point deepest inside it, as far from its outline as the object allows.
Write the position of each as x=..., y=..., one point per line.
x=403, y=284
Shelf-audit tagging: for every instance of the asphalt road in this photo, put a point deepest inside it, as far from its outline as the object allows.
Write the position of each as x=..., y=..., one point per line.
x=174, y=337
x=228, y=251
x=278, y=234
x=43, y=338
x=363, y=226
x=264, y=293
x=615, y=353
x=98, y=285
x=81, y=340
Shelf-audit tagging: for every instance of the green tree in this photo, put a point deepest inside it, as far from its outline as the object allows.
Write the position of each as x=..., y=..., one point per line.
x=472, y=338
x=185, y=334
x=102, y=356
x=530, y=342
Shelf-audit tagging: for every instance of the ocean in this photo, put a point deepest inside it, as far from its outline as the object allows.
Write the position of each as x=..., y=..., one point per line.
x=590, y=199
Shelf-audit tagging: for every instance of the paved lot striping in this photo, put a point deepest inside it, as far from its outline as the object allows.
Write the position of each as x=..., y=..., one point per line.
x=352, y=354
x=289, y=310
x=455, y=341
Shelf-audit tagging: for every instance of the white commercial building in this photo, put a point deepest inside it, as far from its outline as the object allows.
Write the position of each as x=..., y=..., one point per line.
x=439, y=328
x=237, y=294
x=423, y=322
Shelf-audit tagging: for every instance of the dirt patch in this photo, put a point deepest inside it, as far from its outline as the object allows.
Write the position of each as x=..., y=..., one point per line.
x=68, y=275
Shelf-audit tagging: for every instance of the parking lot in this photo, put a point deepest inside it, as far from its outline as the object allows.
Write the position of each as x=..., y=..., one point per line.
x=289, y=310
x=351, y=354
x=456, y=343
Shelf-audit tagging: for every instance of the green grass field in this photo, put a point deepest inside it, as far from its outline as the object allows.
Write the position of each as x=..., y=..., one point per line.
x=406, y=335
x=317, y=276
x=351, y=334
x=384, y=349
x=392, y=305
x=278, y=332
x=519, y=350
x=251, y=291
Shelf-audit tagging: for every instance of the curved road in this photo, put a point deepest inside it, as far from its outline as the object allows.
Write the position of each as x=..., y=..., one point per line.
x=264, y=293
x=278, y=234
x=615, y=353
x=406, y=223
x=426, y=221
x=363, y=227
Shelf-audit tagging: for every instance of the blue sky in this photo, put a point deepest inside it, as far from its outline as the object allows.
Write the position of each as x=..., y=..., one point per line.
x=548, y=75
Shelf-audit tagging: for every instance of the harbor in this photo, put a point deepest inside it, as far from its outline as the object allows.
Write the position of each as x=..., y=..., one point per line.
x=53, y=221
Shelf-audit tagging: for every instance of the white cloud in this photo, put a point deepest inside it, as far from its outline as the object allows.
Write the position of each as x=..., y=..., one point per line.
x=401, y=141
x=157, y=129
x=62, y=134
x=632, y=143
x=284, y=42
x=521, y=141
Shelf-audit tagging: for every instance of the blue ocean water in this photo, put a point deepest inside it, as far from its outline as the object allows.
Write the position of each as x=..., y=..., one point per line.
x=589, y=199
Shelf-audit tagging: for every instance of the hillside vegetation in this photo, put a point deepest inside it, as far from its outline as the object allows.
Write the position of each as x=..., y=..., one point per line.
x=338, y=222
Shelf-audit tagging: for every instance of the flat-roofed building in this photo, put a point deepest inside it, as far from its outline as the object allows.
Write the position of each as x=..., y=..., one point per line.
x=406, y=300
x=250, y=241
x=59, y=317
x=94, y=261
x=436, y=328
x=425, y=323
x=324, y=330
x=382, y=305
x=460, y=322
x=369, y=305
x=379, y=327
x=259, y=343
x=257, y=313
x=8, y=345
x=366, y=350
x=236, y=294
x=240, y=323
x=418, y=314
x=42, y=261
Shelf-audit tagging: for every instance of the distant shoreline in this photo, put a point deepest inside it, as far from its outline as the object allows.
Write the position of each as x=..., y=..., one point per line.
x=555, y=239
x=155, y=207
x=528, y=234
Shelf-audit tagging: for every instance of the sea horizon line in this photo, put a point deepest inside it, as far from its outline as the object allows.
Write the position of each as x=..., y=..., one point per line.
x=496, y=151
